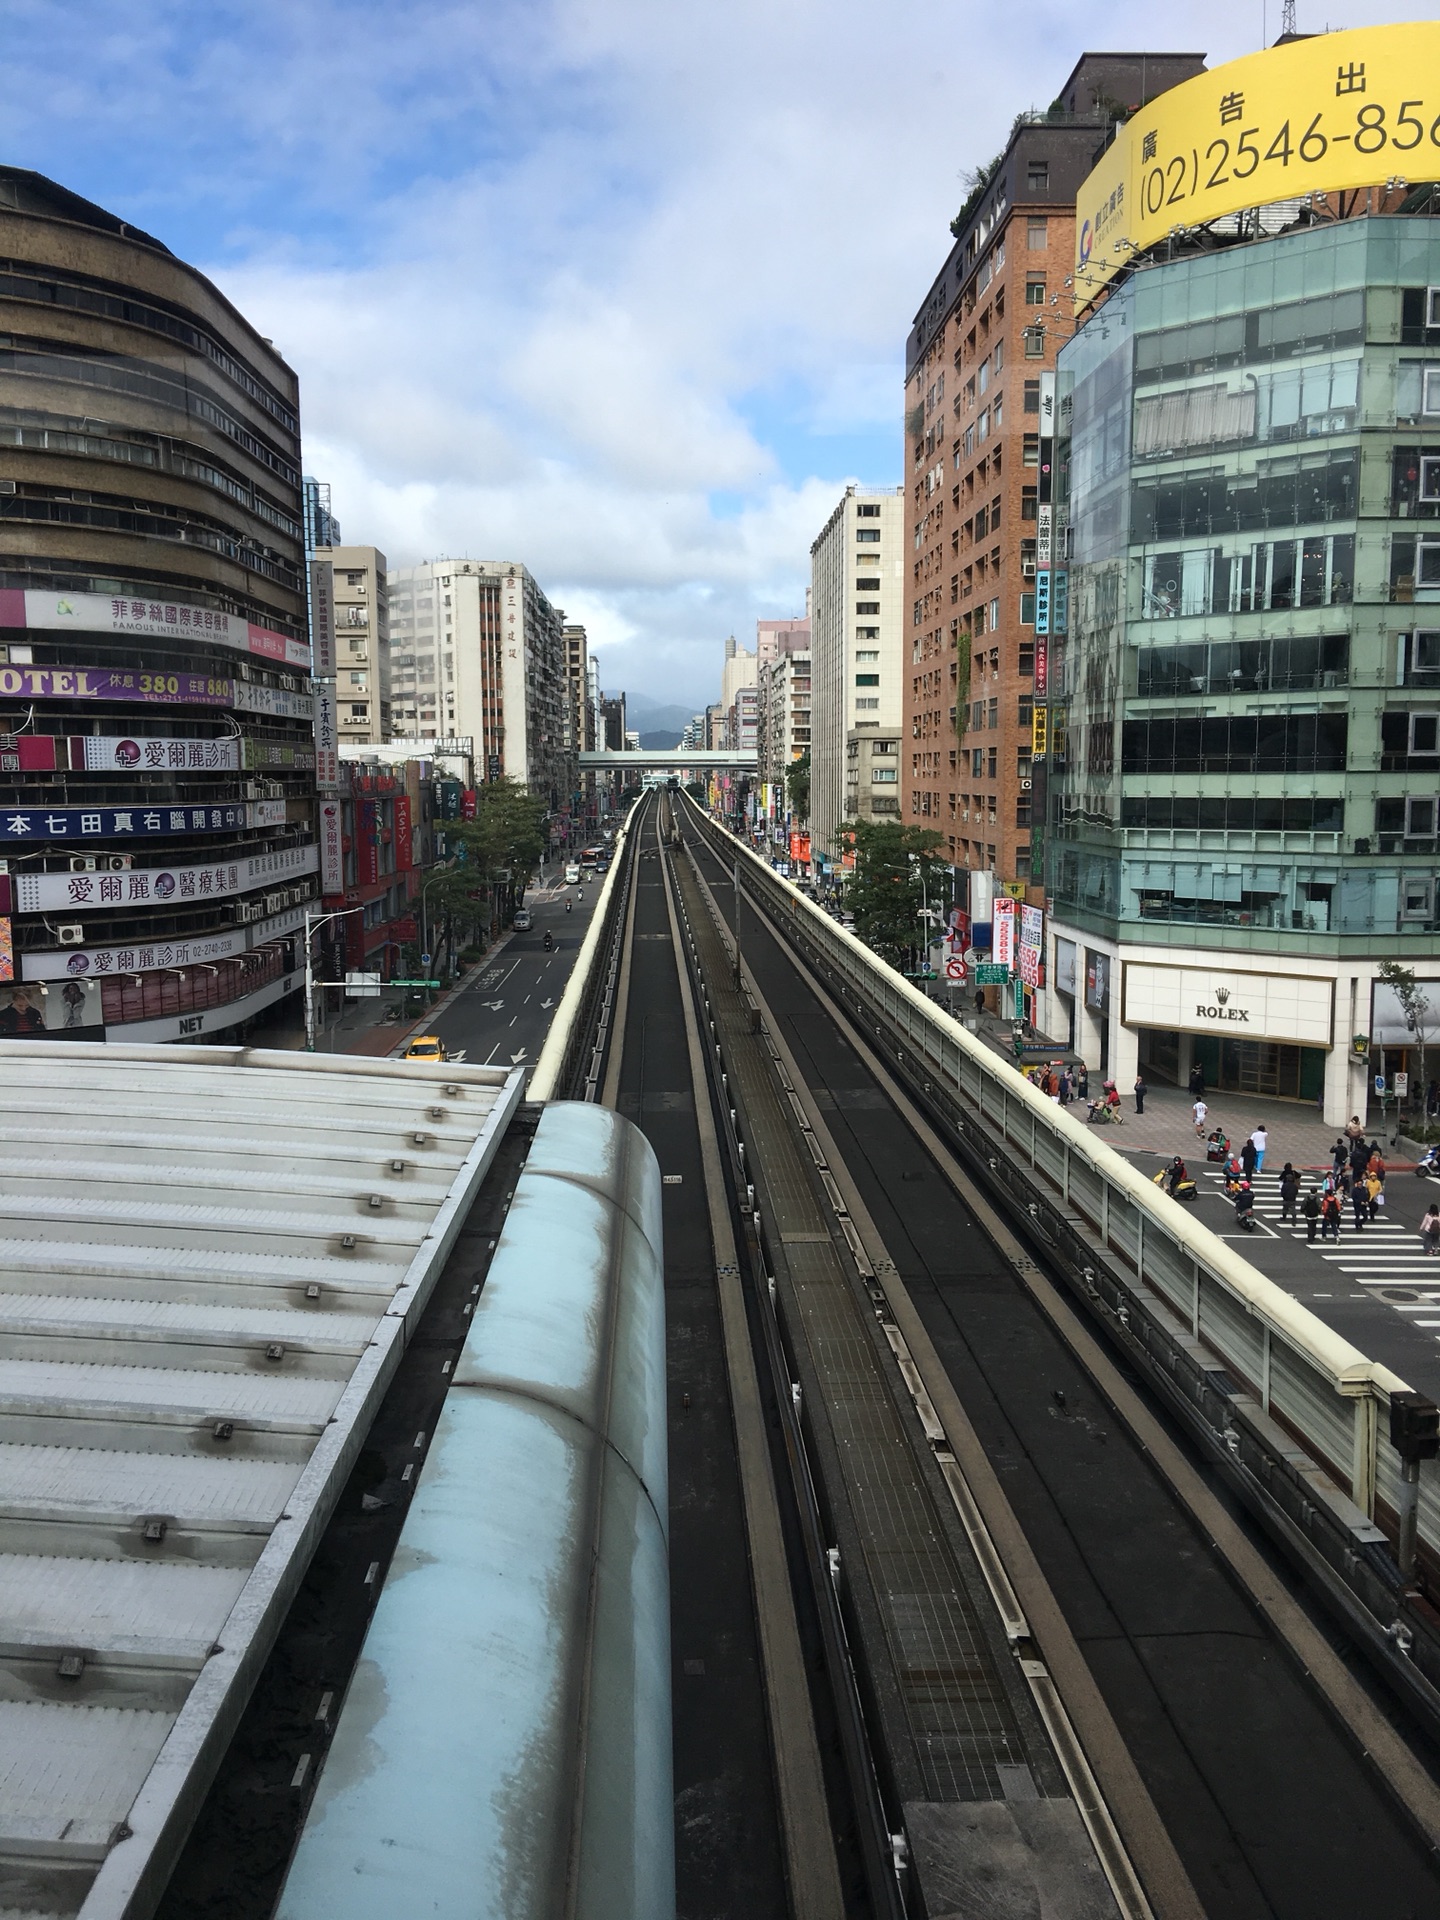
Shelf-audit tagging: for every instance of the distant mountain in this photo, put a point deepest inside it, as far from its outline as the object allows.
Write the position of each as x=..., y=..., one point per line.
x=661, y=740
x=643, y=713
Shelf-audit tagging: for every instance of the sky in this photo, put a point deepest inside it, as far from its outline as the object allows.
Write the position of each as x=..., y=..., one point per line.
x=618, y=288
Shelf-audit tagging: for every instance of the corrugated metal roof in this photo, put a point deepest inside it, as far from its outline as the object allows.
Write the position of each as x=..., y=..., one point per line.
x=208, y=1260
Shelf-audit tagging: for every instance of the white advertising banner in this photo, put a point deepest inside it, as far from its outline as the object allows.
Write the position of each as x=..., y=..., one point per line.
x=327, y=738
x=154, y=956
x=279, y=701
x=322, y=619
x=158, y=886
x=1002, y=937
x=122, y=753
x=152, y=619
x=264, y=813
x=1237, y=1006
x=183, y=1026
x=332, y=848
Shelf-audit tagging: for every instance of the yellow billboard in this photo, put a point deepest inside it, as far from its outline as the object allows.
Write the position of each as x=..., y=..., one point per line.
x=1323, y=115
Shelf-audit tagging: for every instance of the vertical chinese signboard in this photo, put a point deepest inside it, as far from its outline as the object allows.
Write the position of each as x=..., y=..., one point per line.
x=322, y=653
x=1002, y=935
x=332, y=855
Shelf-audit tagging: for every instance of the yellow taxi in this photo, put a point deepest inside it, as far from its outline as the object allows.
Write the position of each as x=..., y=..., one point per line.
x=425, y=1046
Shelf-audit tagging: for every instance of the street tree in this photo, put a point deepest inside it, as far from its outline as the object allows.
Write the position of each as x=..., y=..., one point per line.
x=797, y=786
x=895, y=868
x=1416, y=1007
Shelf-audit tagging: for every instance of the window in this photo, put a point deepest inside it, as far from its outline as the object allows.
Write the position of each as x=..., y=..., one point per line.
x=1027, y=609
x=994, y=615
x=985, y=376
x=999, y=358
x=1030, y=451
x=1420, y=819
x=867, y=606
x=863, y=633
x=870, y=653
x=1421, y=652
x=1432, y=306
x=867, y=679
x=879, y=775
x=1430, y=477
x=1430, y=392
x=1034, y=289
x=359, y=711
x=1417, y=897
x=992, y=762
x=1427, y=563
x=1034, y=339
x=1425, y=733
x=992, y=714
x=357, y=679
x=871, y=534
x=867, y=513
x=977, y=763
x=866, y=704
x=1037, y=231
x=885, y=746
x=1037, y=175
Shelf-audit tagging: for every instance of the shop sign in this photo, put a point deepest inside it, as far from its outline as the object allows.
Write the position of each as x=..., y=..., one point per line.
x=1032, y=934
x=156, y=886
x=1239, y=1006
x=332, y=851
x=123, y=683
x=151, y=619
x=322, y=619
x=1002, y=934
x=35, y=825
x=150, y=956
x=7, y=949
x=1065, y=966
x=122, y=753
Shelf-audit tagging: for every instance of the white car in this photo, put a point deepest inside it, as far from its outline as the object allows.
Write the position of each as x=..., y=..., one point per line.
x=572, y=875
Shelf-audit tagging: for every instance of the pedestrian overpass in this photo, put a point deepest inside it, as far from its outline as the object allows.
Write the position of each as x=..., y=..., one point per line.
x=671, y=760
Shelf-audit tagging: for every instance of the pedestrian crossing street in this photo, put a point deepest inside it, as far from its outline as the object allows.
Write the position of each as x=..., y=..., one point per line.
x=1384, y=1259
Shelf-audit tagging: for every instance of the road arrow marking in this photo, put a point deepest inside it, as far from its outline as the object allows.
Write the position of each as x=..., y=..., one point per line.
x=547, y=1003
x=516, y=1058
x=493, y=1005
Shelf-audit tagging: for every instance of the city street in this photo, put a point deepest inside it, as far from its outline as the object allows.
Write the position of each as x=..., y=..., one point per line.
x=502, y=1016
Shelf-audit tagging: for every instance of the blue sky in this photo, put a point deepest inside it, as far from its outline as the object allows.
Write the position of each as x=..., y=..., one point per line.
x=619, y=288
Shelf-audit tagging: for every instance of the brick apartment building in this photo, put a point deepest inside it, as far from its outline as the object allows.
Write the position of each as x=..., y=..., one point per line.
x=976, y=481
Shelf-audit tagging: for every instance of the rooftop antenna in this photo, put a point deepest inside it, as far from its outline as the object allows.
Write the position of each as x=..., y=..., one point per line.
x=1287, y=17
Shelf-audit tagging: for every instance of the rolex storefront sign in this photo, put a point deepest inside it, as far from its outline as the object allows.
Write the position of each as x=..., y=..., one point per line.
x=1253, y=1006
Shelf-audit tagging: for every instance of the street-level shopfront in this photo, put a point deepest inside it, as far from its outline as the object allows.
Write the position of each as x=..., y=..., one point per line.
x=1267, y=1034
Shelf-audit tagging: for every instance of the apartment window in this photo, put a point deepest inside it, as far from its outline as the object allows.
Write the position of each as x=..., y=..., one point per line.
x=1029, y=504
x=1430, y=391
x=992, y=714
x=984, y=376
x=1424, y=733
x=1037, y=231
x=999, y=357
x=359, y=711
x=1027, y=609
x=1024, y=712
x=867, y=703
x=994, y=616
x=984, y=427
x=1037, y=176
x=995, y=514
x=1417, y=897
x=885, y=746
x=1419, y=819
x=977, y=763
x=1032, y=396
x=1034, y=289
x=969, y=442
x=867, y=679
x=867, y=606
x=357, y=679
x=1034, y=340
x=867, y=653
x=1030, y=451
x=867, y=533
x=881, y=774
x=864, y=633
x=998, y=411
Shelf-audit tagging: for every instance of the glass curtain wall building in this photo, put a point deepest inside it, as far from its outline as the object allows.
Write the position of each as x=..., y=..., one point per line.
x=1246, y=751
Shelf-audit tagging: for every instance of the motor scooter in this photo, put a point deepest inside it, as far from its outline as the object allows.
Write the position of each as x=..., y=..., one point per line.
x=1429, y=1163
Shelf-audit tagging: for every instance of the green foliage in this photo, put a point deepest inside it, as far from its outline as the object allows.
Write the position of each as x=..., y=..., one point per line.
x=894, y=867
x=977, y=180
x=1418, y=1015
x=797, y=785
x=497, y=852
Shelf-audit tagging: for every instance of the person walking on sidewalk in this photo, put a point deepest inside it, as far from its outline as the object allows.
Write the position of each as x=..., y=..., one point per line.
x=1289, y=1194
x=1430, y=1229
x=1197, y=1082
x=1359, y=1203
x=1260, y=1139
x=1082, y=1082
x=1140, y=1092
x=1199, y=1113
x=1310, y=1207
x=1248, y=1155
x=1330, y=1215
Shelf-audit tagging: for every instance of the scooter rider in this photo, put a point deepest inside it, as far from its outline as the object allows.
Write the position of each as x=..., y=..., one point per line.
x=1245, y=1206
x=549, y=941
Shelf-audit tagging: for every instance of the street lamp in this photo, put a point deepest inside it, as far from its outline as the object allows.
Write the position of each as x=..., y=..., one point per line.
x=314, y=921
x=425, y=886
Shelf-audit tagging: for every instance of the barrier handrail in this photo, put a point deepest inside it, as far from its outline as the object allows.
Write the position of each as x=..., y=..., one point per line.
x=1352, y=1374
x=549, y=1068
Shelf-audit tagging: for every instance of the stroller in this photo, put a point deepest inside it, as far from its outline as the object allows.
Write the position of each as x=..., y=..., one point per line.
x=1105, y=1112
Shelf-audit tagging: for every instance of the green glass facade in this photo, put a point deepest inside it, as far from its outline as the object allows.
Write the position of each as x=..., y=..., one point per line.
x=1247, y=710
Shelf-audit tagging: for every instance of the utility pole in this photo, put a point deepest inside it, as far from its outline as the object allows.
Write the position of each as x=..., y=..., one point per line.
x=313, y=922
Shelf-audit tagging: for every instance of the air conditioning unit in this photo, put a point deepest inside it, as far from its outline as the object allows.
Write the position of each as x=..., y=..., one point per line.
x=1027, y=568
x=72, y=934
x=245, y=670
x=7, y=486
x=288, y=681
x=116, y=862
x=248, y=910
x=254, y=790
x=83, y=862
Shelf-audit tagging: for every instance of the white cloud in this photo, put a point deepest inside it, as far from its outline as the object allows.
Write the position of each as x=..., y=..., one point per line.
x=590, y=283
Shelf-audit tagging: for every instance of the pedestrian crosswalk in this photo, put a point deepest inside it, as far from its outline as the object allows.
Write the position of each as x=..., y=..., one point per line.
x=1384, y=1258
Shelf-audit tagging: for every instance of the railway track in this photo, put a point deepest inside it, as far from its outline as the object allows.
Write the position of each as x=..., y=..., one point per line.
x=1237, y=1763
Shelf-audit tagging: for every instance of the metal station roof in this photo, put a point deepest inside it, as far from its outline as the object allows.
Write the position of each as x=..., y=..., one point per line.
x=208, y=1261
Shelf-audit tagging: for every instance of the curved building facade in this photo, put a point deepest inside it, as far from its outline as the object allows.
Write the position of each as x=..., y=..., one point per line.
x=157, y=814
